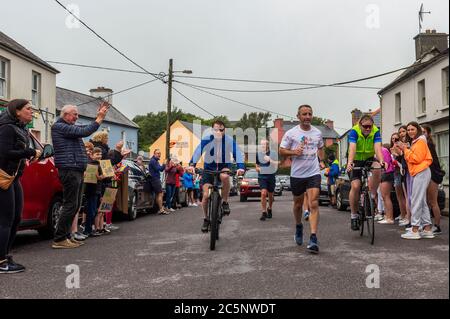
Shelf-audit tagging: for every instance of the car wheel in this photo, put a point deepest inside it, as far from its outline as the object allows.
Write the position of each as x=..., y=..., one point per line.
x=243, y=198
x=132, y=208
x=53, y=214
x=339, y=202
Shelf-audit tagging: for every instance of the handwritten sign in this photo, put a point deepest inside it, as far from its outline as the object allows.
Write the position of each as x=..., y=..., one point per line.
x=107, y=168
x=90, y=175
x=109, y=197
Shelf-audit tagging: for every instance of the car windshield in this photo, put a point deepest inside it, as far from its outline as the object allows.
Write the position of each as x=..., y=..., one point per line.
x=251, y=174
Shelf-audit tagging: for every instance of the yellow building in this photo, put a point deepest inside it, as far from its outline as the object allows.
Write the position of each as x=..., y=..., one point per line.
x=184, y=139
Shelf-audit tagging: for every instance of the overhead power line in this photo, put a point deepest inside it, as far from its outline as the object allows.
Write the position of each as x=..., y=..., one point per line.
x=118, y=92
x=109, y=44
x=275, y=90
x=235, y=101
x=198, y=106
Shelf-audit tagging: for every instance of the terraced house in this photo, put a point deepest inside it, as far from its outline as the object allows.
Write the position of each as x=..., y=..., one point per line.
x=24, y=75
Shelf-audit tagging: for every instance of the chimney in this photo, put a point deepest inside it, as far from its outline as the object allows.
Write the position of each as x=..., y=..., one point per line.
x=101, y=92
x=278, y=125
x=429, y=40
x=330, y=124
x=356, y=115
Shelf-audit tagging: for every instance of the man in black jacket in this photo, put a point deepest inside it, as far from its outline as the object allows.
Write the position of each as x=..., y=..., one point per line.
x=71, y=161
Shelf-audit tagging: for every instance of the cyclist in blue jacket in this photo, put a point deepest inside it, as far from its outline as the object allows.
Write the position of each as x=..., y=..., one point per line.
x=220, y=153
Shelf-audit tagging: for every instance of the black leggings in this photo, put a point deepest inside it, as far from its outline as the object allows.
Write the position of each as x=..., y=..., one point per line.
x=11, y=205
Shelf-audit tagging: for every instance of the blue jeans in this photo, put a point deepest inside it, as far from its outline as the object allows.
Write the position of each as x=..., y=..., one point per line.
x=170, y=191
x=91, y=212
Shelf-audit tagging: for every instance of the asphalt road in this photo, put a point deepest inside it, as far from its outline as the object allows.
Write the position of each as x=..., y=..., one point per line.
x=168, y=257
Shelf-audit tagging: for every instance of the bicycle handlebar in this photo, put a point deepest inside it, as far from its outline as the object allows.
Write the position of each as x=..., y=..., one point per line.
x=218, y=172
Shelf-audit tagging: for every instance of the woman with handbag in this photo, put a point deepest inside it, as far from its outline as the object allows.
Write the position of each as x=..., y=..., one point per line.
x=14, y=151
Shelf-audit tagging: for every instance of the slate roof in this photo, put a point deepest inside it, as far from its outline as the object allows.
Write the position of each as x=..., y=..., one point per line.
x=89, y=109
x=11, y=45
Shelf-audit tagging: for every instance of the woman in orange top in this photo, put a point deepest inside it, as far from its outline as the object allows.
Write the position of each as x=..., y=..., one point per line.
x=418, y=158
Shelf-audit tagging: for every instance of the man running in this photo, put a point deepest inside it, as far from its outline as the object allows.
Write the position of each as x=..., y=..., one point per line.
x=304, y=143
x=364, y=142
x=266, y=165
x=220, y=152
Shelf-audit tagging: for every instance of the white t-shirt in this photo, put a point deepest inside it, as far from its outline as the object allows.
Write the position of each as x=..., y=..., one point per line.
x=306, y=165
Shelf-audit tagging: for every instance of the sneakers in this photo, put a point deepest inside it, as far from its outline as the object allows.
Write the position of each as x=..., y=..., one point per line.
x=427, y=234
x=355, y=224
x=411, y=235
x=171, y=210
x=226, y=208
x=8, y=266
x=403, y=223
x=299, y=234
x=313, y=245
x=385, y=222
x=78, y=236
x=105, y=231
x=76, y=242
x=436, y=230
x=112, y=227
x=64, y=244
x=195, y=205
x=205, y=225
x=379, y=217
x=306, y=215
x=263, y=216
x=269, y=213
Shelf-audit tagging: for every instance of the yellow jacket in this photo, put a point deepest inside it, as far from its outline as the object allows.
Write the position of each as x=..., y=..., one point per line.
x=418, y=157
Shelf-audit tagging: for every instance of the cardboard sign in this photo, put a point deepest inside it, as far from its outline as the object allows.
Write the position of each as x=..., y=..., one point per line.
x=90, y=175
x=107, y=168
x=109, y=197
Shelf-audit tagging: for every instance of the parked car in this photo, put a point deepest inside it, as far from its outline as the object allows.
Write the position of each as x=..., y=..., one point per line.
x=42, y=192
x=138, y=199
x=343, y=192
x=278, y=187
x=285, y=181
x=248, y=186
x=323, y=196
x=233, y=186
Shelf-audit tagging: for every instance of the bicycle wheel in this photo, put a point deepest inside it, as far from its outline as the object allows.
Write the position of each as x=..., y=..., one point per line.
x=370, y=217
x=362, y=218
x=214, y=220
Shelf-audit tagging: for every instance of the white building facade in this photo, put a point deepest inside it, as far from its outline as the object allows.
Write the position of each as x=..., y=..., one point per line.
x=421, y=94
x=25, y=76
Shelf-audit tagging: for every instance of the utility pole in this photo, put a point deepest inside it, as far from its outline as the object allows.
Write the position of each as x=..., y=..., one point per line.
x=169, y=108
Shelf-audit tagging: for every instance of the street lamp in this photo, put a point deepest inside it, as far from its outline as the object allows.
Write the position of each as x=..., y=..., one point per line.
x=169, y=104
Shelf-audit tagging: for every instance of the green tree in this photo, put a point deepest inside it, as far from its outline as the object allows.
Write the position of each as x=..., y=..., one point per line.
x=254, y=120
x=152, y=125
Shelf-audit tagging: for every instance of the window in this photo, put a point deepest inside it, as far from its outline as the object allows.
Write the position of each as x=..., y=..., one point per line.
x=445, y=87
x=398, y=108
x=36, y=89
x=422, y=97
x=442, y=152
x=4, y=78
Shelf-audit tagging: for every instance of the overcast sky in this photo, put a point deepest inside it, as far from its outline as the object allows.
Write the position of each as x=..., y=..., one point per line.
x=278, y=40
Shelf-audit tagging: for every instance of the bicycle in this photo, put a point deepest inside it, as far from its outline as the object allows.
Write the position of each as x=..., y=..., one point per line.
x=366, y=202
x=215, y=211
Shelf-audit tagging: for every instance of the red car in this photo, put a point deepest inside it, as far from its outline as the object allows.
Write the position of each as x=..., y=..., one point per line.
x=42, y=192
x=248, y=186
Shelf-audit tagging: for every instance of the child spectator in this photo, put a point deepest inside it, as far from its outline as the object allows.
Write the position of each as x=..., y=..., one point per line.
x=92, y=193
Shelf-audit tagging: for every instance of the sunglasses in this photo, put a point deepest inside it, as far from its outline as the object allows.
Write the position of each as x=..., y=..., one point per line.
x=366, y=127
x=396, y=140
x=219, y=130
